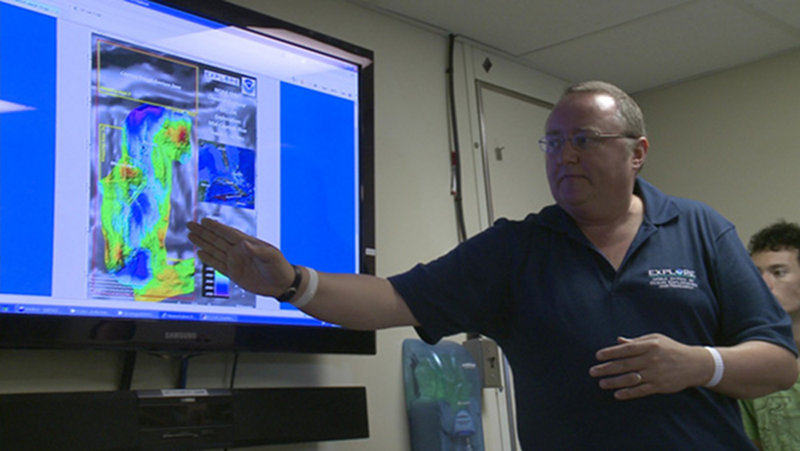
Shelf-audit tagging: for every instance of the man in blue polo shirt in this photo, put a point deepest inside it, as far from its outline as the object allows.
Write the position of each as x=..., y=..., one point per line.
x=631, y=319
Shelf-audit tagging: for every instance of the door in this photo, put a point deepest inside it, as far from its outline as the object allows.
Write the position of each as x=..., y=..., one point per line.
x=514, y=168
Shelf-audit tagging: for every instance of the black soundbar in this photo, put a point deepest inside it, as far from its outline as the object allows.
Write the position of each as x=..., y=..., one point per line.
x=181, y=419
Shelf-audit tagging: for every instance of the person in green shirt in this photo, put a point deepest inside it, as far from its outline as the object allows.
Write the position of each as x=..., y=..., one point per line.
x=773, y=421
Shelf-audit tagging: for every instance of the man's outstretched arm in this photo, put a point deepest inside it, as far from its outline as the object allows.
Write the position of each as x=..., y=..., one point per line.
x=356, y=301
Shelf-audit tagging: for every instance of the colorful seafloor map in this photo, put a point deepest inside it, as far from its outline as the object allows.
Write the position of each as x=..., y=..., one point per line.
x=136, y=206
x=157, y=116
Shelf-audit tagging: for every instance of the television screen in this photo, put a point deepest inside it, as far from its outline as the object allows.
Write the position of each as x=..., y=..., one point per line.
x=121, y=120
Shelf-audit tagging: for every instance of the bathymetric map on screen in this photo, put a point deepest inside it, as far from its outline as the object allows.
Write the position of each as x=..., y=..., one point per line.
x=174, y=140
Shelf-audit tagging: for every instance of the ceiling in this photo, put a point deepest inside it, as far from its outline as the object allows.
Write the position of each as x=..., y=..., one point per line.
x=636, y=44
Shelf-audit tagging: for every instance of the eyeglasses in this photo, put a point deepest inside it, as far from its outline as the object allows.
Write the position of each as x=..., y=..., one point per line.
x=581, y=140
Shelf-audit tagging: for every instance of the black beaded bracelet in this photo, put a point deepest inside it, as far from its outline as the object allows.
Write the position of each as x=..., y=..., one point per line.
x=287, y=295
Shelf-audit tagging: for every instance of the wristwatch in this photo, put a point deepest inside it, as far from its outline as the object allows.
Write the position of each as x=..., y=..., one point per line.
x=287, y=295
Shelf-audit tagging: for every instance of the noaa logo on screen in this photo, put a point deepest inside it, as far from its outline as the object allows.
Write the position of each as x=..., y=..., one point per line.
x=248, y=86
x=683, y=278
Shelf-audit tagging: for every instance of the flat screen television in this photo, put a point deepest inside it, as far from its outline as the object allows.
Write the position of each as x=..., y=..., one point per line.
x=121, y=120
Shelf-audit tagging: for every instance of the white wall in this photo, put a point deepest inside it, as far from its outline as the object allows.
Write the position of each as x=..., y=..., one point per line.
x=731, y=140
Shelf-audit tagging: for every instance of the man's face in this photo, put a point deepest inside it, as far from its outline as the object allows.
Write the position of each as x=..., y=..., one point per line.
x=596, y=175
x=781, y=271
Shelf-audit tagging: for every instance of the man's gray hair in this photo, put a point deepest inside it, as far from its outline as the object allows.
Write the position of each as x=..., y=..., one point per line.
x=628, y=108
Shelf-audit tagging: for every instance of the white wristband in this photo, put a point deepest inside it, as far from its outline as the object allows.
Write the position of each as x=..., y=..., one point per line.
x=311, y=289
x=719, y=367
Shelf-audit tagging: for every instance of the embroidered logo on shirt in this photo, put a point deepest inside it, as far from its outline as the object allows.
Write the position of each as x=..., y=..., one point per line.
x=673, y=278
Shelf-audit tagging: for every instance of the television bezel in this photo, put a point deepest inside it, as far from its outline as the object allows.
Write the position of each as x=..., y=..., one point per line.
x=26, y=331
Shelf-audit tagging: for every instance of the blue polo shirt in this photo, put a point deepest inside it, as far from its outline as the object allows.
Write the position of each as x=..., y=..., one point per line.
x=550, y=299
